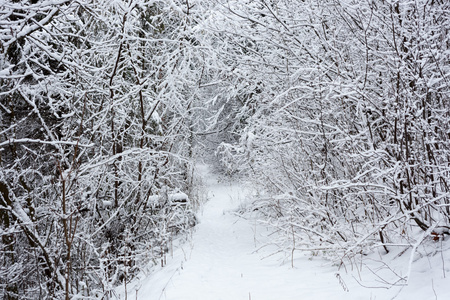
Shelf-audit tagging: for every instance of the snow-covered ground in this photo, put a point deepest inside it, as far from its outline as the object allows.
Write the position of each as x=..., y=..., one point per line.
x=221, y=262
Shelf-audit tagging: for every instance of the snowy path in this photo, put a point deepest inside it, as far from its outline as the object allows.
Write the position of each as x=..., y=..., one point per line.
x=221, y=263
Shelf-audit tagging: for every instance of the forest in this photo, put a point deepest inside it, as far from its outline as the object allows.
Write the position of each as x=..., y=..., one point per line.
x=338, y=112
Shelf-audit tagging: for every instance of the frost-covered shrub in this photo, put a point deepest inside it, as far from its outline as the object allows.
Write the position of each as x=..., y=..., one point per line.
x=349, y=138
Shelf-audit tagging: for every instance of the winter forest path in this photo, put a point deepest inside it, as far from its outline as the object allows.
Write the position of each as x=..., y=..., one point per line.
x=220, y=262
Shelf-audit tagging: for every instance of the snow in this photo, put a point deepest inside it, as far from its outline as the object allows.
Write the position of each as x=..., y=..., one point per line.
x=107, y=204
x=224, y=260
x=178, y=197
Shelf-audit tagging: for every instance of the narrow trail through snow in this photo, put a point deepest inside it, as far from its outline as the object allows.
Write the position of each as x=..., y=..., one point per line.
x=220, y=262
